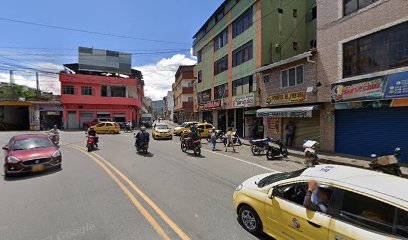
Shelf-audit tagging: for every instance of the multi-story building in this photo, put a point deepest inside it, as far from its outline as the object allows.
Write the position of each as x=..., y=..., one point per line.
x=90, y=91
x=183, y=93
x=168, y=106
x=239, y=38
x=363, y=60
x=157, y=109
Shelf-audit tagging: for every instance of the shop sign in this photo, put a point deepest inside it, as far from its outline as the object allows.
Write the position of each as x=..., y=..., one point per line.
x=385, y=87
x=244, y=101
x=212, y=105
x=294, y=97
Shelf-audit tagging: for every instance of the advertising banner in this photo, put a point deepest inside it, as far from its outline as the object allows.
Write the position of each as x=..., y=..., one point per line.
x=218, y=104
x=247, y=100
x=294, y=97
x=385, y=87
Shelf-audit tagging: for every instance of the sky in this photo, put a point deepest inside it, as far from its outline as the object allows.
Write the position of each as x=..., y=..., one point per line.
x=168, y=25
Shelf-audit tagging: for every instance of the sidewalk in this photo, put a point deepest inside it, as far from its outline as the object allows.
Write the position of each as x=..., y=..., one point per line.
x=331, y=158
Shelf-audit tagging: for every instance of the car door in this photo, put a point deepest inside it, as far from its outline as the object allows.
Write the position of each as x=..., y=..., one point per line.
x=200, y=130
x=108, y=127
x=362, y=217
x=287, y=217
x=208, y=128
x=100, y=128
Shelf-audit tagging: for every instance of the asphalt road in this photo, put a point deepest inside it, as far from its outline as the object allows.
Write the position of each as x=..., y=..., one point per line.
x=115, y=193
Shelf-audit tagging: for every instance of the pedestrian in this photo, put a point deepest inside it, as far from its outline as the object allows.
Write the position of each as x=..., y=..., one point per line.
x=230, y=134
x=290, y=134
x=213, y=135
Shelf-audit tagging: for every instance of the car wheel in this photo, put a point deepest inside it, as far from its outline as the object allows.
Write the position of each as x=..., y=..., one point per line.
x=250, y=220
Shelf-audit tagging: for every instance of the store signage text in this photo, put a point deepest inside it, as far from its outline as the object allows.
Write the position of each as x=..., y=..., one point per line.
x=244, y=101
x=391, y=86
x=294, y=97
x=211, y=105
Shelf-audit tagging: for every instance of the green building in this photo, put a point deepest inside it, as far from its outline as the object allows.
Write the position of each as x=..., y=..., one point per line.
x=239, y=37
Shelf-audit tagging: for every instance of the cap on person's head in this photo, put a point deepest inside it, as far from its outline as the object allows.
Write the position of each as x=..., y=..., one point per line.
x=143, y=128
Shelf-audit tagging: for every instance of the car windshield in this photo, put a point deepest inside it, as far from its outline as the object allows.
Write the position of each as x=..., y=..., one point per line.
x=278, y=177
x=31, y=143
x=183, y=125
x=162, y=127
x=145, y=119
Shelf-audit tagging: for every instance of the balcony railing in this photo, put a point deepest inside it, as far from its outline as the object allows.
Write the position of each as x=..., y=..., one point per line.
x=187, y=90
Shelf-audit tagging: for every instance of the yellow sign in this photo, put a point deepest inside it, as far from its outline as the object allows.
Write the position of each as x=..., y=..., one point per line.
x=293, y=97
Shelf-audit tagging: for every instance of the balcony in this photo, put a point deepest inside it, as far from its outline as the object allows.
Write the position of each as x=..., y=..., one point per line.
x=98, y=100
x=187, y=90
x=184, y=106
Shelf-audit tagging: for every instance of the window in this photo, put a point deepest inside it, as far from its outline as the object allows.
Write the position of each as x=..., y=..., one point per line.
x=295, y=13
x=242, y=54
x=221, y=91
x=68, y=90
x=118, y=91
x=221, y=65
x=190, y=99
x=294, y=193
x=366, y=212
x=295, y=46
x=86, y=91
x=280, y=10
x=380, y=51
x=220, y=40
x=109, y=124
x=243, y=86
x=292, y=77
x=279, y=177
x=208, y=126
x=350, y=6
x=402, y=224
x=100, y=125
x=242, y=23
x=199, y=77
x=104, y=91
x=220, y=15
x=266, y=78
x=199, y=56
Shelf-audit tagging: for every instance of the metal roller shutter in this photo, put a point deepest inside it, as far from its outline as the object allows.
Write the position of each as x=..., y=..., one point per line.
x=85, y=117
x=362, y=132
x=306, y=128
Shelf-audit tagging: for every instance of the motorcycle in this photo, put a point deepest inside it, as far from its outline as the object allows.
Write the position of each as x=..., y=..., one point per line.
x=90, y=143
x=274, y=151
x=54, y=138
x=260, y=146
x=194, y=146
x=387, y=164
x=311, y=158
x=143, y=147
x=235, y=139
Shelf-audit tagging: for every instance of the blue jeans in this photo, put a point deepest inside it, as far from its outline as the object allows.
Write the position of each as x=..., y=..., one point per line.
x=213, y=143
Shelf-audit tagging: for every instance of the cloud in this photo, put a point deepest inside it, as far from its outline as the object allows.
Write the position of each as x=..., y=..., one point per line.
x=159, y=76
x=48, y=82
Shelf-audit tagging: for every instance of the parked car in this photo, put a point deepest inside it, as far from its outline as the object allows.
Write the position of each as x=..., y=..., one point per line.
x=362, y=204
x=30, y=153
x=88, y=124
x=185, y=126
x=107, y=127
x=161, y=131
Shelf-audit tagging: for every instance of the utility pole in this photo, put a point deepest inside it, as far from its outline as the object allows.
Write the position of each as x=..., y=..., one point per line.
x=38, y=83
x=11, y=77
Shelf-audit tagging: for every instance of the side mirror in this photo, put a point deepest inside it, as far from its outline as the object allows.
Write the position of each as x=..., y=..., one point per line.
x=270, y=193
x=5, y=148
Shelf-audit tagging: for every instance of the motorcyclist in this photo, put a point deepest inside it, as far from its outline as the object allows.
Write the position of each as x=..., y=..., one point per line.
x=55, y=134
x=129, y=125
x=142, y=137
x=92, y=132
x=192, y=136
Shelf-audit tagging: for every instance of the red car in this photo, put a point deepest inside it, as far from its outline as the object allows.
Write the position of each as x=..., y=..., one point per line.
x=30, y=153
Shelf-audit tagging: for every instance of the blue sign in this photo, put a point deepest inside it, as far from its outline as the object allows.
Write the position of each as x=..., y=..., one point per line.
x=396, y=85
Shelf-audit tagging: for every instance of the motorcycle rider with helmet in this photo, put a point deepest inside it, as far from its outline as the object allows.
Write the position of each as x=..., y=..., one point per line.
x=92, y=132
x=192, y=136
x=142, y=137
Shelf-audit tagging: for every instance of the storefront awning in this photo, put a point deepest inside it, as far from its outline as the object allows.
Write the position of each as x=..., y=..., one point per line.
x=250, y=112
x=292, y=112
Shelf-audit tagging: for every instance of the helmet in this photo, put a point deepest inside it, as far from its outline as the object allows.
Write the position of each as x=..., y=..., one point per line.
x=143, y=128
x=55, y=126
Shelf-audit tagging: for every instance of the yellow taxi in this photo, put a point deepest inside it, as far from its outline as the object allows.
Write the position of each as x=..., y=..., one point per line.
x=360, y=204
x=203, y=129
x=185, y=126
x=161, y=131
x=107, y=127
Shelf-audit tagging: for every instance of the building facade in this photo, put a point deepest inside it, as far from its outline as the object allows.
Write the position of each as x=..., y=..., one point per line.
x=88, y=96
x=363, y=61
x=168, y=106
x=183, y=93
x=240, y=37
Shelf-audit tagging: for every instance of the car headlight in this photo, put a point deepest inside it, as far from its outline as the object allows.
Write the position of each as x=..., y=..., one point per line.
x=12, y=159
x=56, y=154
x=238, y=188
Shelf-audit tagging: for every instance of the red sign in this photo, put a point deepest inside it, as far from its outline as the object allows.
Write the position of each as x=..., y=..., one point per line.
x=211, y=105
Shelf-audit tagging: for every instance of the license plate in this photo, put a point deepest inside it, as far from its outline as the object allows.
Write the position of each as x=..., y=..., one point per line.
x=37, y=168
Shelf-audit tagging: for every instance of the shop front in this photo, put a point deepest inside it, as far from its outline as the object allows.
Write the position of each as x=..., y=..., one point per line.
x=371, y=115
x=209, y=111
x=245, y=115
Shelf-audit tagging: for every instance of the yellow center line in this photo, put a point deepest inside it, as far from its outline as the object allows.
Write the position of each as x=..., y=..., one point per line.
x=164, y=216
x=135, y=202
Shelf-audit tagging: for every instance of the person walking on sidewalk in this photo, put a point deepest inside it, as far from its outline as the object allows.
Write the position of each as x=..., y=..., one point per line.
x=290, y=134
x=230, y=134
x=213, y=135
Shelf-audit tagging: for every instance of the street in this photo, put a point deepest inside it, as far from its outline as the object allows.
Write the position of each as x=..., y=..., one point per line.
x=115, y=193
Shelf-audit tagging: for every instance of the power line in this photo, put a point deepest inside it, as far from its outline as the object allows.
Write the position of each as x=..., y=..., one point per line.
x=88, y=31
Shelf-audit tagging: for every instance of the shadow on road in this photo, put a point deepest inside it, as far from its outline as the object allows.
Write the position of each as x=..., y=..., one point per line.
x=261, y=237
x=26, y=176
x=148, y=154
x=193, y=155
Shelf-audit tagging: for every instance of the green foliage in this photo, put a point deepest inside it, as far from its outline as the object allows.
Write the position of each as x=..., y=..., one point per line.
x=13, y=91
